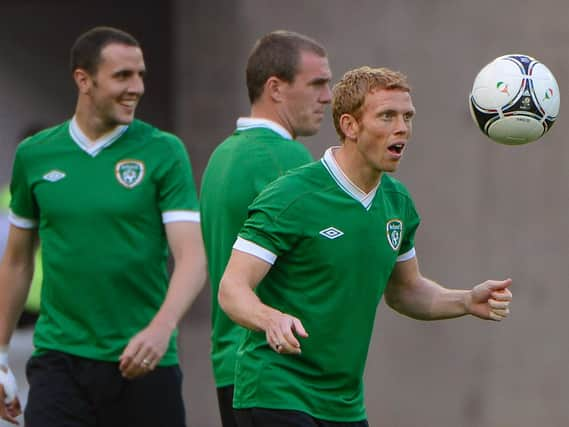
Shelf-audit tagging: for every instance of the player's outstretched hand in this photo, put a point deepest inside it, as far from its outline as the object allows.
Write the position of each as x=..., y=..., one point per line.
x=10, y=406
x=144, y=351
x=281, y=332
x=490, y=300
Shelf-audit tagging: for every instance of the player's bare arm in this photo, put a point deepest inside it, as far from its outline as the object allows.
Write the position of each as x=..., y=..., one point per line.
x=16, y=271
x=145, y=350
x=236, y=297
x=410, y=293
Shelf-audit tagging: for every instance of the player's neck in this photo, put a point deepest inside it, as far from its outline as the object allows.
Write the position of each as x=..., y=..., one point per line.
x=361, y=174
x=259, y=111
x=92, y=127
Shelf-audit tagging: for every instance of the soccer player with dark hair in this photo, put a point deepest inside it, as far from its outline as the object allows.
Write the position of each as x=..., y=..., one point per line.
x=288, y=80
x=109, y=197
x=320, y=247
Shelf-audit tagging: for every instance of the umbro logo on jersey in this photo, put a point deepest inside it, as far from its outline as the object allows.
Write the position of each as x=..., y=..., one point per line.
x=331, y=233
x=394, y=233
x=129, y=172
x=54, y=176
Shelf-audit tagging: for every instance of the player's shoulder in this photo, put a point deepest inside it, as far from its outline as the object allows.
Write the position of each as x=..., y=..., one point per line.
x=297, y=184
x=42, y=139
x=150, y=133
x=260, y=139
x=309, y=175
x=228, y=146
x=259, y=149
x=158, y=141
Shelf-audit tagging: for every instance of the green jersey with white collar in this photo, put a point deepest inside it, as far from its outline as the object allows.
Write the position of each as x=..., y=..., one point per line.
x=333, y=249
x=100, y=210
x=258, y=152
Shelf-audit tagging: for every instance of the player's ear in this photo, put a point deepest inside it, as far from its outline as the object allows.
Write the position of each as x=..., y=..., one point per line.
x=274, y=88
x=350, y=126
x=82, y=80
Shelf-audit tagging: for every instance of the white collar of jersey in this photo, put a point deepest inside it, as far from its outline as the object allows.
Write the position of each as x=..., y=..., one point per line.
x=244, y=123
x=344, y=182
x=93, y=147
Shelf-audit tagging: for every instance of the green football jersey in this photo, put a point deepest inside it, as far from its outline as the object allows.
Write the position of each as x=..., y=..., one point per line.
x=333, y=249
x=257, y=153
x=100, y=210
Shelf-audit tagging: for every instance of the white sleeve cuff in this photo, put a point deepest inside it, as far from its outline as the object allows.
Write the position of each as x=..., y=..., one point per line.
x=21, y=222
x=254, y=249
x=407, y=255
x=180, y=216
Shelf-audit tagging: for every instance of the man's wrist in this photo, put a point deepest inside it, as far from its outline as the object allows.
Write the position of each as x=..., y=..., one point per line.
x=467, y=301
x=162, y=323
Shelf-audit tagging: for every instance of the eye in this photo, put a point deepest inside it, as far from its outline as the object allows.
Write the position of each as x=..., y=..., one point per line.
x=121, y=75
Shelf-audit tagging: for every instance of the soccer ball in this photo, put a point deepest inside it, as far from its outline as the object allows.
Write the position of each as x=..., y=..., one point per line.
x=514, y=99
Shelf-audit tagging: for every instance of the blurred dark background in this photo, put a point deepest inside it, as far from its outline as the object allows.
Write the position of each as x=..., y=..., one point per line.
x=489, y=211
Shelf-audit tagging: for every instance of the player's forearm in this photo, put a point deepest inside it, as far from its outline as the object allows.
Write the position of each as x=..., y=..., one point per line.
x=187, y=281
x=448, y=304
x=427, y=300
x=242, y=305
x=15, y=279
x=188, y=277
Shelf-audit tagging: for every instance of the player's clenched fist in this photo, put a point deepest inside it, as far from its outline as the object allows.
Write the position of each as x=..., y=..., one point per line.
x=490, y=300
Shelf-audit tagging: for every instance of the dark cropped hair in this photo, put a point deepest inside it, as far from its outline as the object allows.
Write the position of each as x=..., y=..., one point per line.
x=86, y=51
x=277, y=54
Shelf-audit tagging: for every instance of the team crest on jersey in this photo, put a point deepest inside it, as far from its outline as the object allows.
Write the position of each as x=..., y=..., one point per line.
x=129, y=172
x=394, y=233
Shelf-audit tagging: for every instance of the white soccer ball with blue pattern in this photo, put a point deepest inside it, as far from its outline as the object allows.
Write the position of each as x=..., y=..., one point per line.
x=514, y=99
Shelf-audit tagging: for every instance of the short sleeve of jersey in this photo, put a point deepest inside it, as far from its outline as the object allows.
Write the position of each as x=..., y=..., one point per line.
x=22, y=204
x=177, y=190
x=412, y=222
x=272, y=223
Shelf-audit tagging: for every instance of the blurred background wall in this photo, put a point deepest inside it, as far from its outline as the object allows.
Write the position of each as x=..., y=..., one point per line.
x=489, y=211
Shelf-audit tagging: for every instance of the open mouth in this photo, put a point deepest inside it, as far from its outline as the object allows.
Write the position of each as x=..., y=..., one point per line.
x=396, y=148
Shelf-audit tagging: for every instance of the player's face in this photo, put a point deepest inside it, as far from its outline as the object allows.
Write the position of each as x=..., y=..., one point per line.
x=306, y=97
x=117, y=85
x=384, y=128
